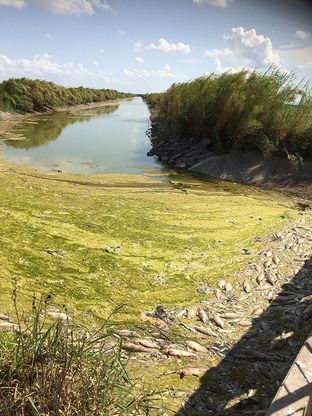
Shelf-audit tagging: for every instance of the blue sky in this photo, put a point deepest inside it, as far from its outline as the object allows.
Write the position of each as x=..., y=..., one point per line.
x=146, y=45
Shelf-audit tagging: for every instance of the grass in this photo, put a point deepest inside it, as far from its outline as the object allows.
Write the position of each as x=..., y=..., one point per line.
x=240, y=111
x=60, y=368
x=26, y=95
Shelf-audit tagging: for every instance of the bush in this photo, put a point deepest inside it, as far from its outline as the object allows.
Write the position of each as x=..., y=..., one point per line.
x=26, y=95
x=239, y=111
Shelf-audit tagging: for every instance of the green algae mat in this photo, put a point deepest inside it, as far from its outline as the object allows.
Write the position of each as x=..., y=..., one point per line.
x=97, y=243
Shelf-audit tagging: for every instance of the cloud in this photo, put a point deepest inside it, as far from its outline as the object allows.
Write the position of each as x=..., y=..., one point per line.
x=139, y=60
x=13, y=3
x=290, y=46
x=301, y=34
x=216, y=3
x=95, y=63
x=299, y=58
x=244, y=49
x=48, y=36
x=217, y=53
x=75, y=7
x=137, y=47
x=101, y=50
x=40, y=66
x=256, y=50
x=164, y=72
x=166, y=47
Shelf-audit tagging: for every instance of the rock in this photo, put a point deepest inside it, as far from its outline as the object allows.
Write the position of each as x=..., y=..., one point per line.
x=246, y=287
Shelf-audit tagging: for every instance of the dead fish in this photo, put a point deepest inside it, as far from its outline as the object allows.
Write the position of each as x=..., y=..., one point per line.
x=260, y=278
x=275, y=259
x=258, y=268
x=205, y=331
x=280, y=298
x=307, y=313
x=229, y=315
x=202, y=315
x=60, y=316
x=131, y=347
x=221, y=284
x=192, y=371
x=125, y=333
x=228, y=287
x=7, y=326
x=259, y=355
x=5, y=318
x=267, y=264
x=195, y=346
x=251, y=333
x=246, y=287
x=270, y=279
x=278, y=344
x=258, y=311
x=176, y=352
x=268, y=253
x=113, y=249
x=192, y=312
x=180, y=314
x=218, y=293
x=217, y=320
x=245, y=322
x=146, y=343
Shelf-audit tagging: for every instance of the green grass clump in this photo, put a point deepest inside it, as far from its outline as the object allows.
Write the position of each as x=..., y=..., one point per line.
x=58, y=368
x=240, y=111
x=26, y=95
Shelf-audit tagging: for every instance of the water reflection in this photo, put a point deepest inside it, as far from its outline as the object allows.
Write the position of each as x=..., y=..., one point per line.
x=108, y=139
x=41, y=131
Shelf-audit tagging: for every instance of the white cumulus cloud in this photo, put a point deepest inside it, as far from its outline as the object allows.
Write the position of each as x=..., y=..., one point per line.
x=40, y=66
x=139, y=60
x=164, y=72
x=137, y=47
x=166, y=47
x=75, y=7
x=244, y=48
x=216, y=3
x=301, y=34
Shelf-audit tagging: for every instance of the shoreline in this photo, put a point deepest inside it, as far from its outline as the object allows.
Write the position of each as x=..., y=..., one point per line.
x=6, y=116
x=247, y=168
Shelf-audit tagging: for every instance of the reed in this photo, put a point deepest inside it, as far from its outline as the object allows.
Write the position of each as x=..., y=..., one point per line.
x=240, y=111
x=26, y=95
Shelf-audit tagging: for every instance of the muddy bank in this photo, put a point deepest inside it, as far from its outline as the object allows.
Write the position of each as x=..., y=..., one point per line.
x=7, y=116
x=249, y=168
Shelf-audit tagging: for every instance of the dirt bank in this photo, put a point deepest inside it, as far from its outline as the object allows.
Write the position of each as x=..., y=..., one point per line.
x=7, y=116
x=248, y=168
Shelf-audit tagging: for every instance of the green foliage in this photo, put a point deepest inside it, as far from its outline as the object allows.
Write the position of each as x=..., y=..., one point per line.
x=26, y=95
x=239, y=111
x=60, y=368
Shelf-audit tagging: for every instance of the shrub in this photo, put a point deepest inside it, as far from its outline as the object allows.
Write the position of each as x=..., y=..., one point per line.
x=239, y=111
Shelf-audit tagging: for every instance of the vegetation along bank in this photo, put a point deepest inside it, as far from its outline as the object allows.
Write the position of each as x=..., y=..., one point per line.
x=28, y=96
x=261, y=122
